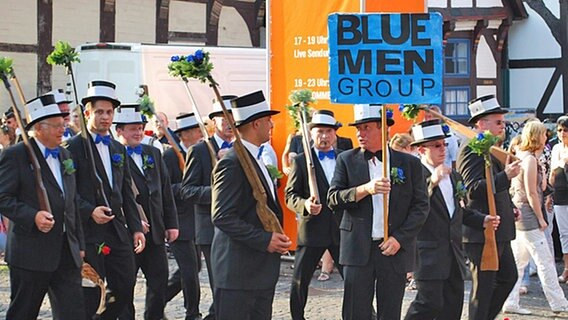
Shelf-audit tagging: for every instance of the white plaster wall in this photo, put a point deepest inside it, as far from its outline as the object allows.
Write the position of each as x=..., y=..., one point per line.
x=485, y=90
x=136, y=21
x=462, y=3
x=437, y=3
x=486, y=65
x=527, y=87
x=76, y=21
x=489, y=3
x=19, y=21
x=233, y=30
x=25, y=66
x=187, y=17
x=531, y=39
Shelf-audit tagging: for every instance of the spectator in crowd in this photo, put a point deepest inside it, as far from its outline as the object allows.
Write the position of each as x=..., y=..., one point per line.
x=452, y=140
x=403, y=142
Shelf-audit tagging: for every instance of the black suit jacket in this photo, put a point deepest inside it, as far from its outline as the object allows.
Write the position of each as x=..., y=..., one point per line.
x=320, y=230
x=156, y=195
x=185, y=209
x=120, y=195
x=238, y=254
x=29, y=248
x=196, y=188
x=440, y=239
x=472, y=168
x=408, y=208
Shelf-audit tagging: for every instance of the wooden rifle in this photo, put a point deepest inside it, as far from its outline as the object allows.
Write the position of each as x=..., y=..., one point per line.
x=306, y=142
x=384, y=138
x=199, y=119
x=266, y=216
x=489, y=256
x=40, y=187
x=168, y=135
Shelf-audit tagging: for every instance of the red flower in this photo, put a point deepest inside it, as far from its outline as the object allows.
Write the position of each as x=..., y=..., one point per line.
x=105, y=250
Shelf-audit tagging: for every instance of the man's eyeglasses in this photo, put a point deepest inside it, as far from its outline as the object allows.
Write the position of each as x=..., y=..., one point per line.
x=562, y=130
x=497, y=122
x=436, y=146
x=55, y=126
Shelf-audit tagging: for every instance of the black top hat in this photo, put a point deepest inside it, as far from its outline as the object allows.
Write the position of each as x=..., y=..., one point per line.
x=101, y=90
x=250, y=107
x=324, y=118
x=186, y=121
x=483, y=106
x=217, y=111
x=129, y=113
x=369, y=113
x=429, y=131
x=41, y=108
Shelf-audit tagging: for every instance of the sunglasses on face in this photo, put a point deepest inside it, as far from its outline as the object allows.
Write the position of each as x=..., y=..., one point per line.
x=437, y=145
x=497, y=122
x=562, y=130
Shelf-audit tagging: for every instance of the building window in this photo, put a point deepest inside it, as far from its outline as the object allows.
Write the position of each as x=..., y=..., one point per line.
x=455, y=101
x=456, y=58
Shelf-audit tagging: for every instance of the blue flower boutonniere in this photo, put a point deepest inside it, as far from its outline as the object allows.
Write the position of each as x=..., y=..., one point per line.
x=147, y=162
x=397, y=175
x=69, y=166
x=118, y=160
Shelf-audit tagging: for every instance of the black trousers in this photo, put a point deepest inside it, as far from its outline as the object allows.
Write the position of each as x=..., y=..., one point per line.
x=490, y=289
x=154, y=264
x=118, y=269
x=379, y=277
x=186, y=277
x=438, y=299
x=206, y=249
x=28, y=289
x=305, y=264
x=243, y=304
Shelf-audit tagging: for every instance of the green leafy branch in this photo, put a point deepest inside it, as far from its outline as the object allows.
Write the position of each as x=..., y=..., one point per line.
x=63, y=54
x=301, y=100
x=146, y=106
x=6, y=67
x=193, y=66
x=410, y=111
x=481, y=145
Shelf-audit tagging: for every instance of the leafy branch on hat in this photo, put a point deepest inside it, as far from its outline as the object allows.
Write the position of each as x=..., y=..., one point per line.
x=193, y=66
x=301, y=100
x=63, y=54
x=410, y=111
x=482, y=144
x=146, y=106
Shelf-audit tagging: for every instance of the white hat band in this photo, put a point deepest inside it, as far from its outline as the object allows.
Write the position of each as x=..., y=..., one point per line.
x=325, y=119
x=479, y=106
x=36, y=110
x=101, y=91
x=59, y=96
x=421, y=133
x=186, y=122
x=243, y=113
x=217, y=106
x=128, y=115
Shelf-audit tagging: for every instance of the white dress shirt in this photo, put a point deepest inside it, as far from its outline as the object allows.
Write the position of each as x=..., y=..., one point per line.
x=328, y=166
x=446, y=188
x=376, y=172
x=104, y=153
x=253, y=149
x=137, y=158
x=54, y=166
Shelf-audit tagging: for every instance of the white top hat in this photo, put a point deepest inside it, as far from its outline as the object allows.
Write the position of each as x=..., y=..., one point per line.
x=217, y=110
x=324, y=118
x=428, y=131
x=129, y=114
x=101, y=90
x=369, y=113
x=41, y=108
x=186, y=121
x=483, y=106
x=59, y=96
x=250, y=107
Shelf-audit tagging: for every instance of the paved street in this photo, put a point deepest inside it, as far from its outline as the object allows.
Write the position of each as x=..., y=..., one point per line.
x=324, y=301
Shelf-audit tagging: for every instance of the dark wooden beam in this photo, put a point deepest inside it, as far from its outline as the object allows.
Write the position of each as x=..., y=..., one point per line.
x=214, y=8
x=502, y=34
x=249, y=12
x=17, y=47
x=162, y=20
x=478, y=31
x=535, y=63
x=498, y=13
x=107, y=21
x=44, y=46
x=179, y=36
x=448, y=27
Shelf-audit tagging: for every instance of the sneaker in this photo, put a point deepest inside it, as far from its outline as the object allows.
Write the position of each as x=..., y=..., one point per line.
x=517, y=310
x=560, y=309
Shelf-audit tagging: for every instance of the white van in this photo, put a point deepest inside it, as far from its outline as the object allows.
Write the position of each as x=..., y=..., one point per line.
x=129, y=65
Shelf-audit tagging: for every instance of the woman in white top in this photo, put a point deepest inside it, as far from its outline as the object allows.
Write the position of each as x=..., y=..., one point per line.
x=559, y=181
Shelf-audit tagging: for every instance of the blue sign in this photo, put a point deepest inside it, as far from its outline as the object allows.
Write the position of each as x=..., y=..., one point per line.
x=385, y=58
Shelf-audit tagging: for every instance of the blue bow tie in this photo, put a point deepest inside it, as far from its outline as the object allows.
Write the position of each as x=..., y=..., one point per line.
x=68, y=132
x=51, y=152
x=226, y=145
x=330, y=154
x=137, y=150
x=260, y=152
x=104, y=139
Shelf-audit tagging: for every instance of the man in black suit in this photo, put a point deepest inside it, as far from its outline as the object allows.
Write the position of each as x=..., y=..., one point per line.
x=441, y=268
x=154, y=193
x=196, y=185
x=490, y=288
x=64, y=107
x=318, y=228
x=357, y=188
x=44, y=248
x=186, y=277
x=118, y=225
x=245, y=257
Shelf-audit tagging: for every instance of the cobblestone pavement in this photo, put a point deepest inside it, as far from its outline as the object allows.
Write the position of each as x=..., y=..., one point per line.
x=324, y=300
